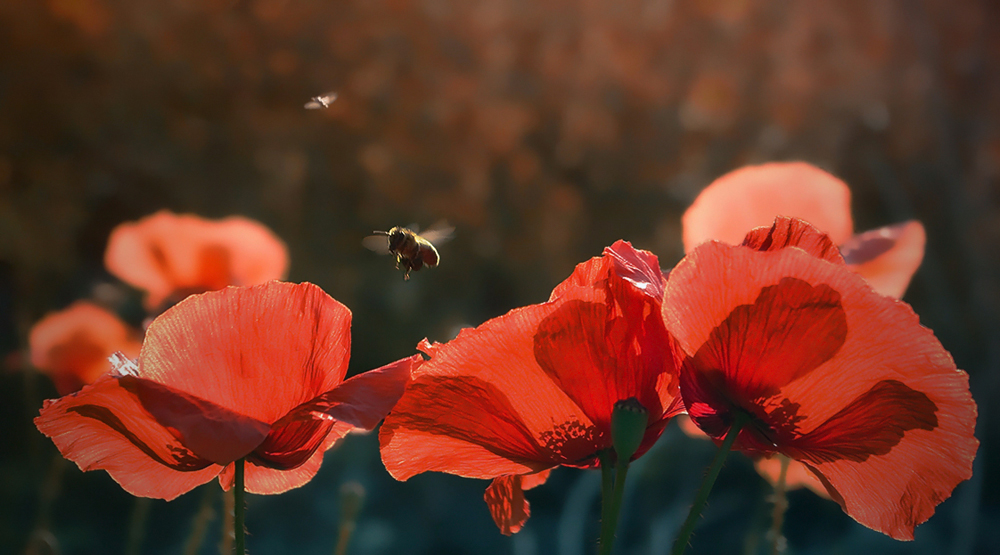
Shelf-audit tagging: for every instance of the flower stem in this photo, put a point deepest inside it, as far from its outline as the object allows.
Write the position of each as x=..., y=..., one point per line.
x=239, y=508
x=607, y=487
x=611, y=505
x=780, y=506
x=680, y=544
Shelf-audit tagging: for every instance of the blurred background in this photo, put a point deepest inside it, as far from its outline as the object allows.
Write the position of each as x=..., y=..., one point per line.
x=543, y=131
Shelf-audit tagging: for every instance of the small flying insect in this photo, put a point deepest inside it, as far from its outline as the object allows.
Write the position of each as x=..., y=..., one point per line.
x=413, y=251
x=321, y=101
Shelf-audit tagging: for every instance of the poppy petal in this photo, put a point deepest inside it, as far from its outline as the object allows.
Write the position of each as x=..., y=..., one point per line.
x=887, y=362
x=752, y=196
x=165, y=253
x=887, y=257
x=509, y=508
x=105, y=427
x=600, y=354
x=72, y=346
x=264, y=479
x=365, y=399
x=791, y=328
x=793, y=232
x=640, y=268
x=462, y=425
x=289, y=340
x=360, y=402
x=606, y=341
x=212, y=432
x=531, y=481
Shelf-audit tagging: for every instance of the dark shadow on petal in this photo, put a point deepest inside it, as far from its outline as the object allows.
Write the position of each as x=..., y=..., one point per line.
x=872, y=424
x=175, y=456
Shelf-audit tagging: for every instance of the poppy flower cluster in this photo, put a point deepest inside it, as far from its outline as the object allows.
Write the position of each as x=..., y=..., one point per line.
x=774, y=343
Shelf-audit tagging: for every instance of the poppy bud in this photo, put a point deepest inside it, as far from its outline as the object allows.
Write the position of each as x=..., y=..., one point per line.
x=628, y=427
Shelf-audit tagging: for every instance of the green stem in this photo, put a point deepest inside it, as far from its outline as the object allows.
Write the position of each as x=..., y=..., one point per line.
x=239, y=509
x=607, y=487
x=611, y=507
x=780, y=506
x=684, y=536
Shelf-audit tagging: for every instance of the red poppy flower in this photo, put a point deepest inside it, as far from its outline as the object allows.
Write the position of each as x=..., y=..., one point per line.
x=254, y=372
x=831, y=373
x=753, y=196
x=171, y=256
x=72, y=346
x=535, y=388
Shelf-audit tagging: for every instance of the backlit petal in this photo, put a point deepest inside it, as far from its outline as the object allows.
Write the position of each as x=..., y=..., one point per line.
x=72, y=346
x=887, y=421
x=638, y=267
x=365, y=399
x=210, y=431
x=105, y=427
x=793, y=232
x=360, y=402
x=752, y=196
x=509, y=508
x=887, y=257
x=258, y=351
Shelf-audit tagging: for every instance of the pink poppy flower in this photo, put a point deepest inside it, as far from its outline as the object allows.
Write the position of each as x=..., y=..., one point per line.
x=72, y=345
x=170, y=256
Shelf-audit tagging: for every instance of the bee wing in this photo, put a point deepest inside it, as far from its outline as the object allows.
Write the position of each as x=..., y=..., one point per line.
x=312, y=105
x=377, y=243
x=438, y=233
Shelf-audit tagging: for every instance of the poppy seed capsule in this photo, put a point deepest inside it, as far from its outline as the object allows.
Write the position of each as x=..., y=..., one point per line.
x=628, y=426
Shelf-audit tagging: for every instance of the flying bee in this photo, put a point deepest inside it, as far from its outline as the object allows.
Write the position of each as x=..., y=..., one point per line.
x=413, y=251
x=321, y=101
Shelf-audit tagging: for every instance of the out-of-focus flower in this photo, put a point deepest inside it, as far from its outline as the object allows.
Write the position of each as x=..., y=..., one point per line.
x=72, y=345
x=171, y=256
x=245, y=372
x=830, y=373
x=753, y=196
x=535, y=388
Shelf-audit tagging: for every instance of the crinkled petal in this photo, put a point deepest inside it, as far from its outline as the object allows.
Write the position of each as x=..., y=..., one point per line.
x=793, y=232
x=887, y=257
x=505, y=499
x=258, y=351
x=638, y=267
x=105, y=427
x=72, y=346
x=887, y=421
x=166, y=253
x=752, y=196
